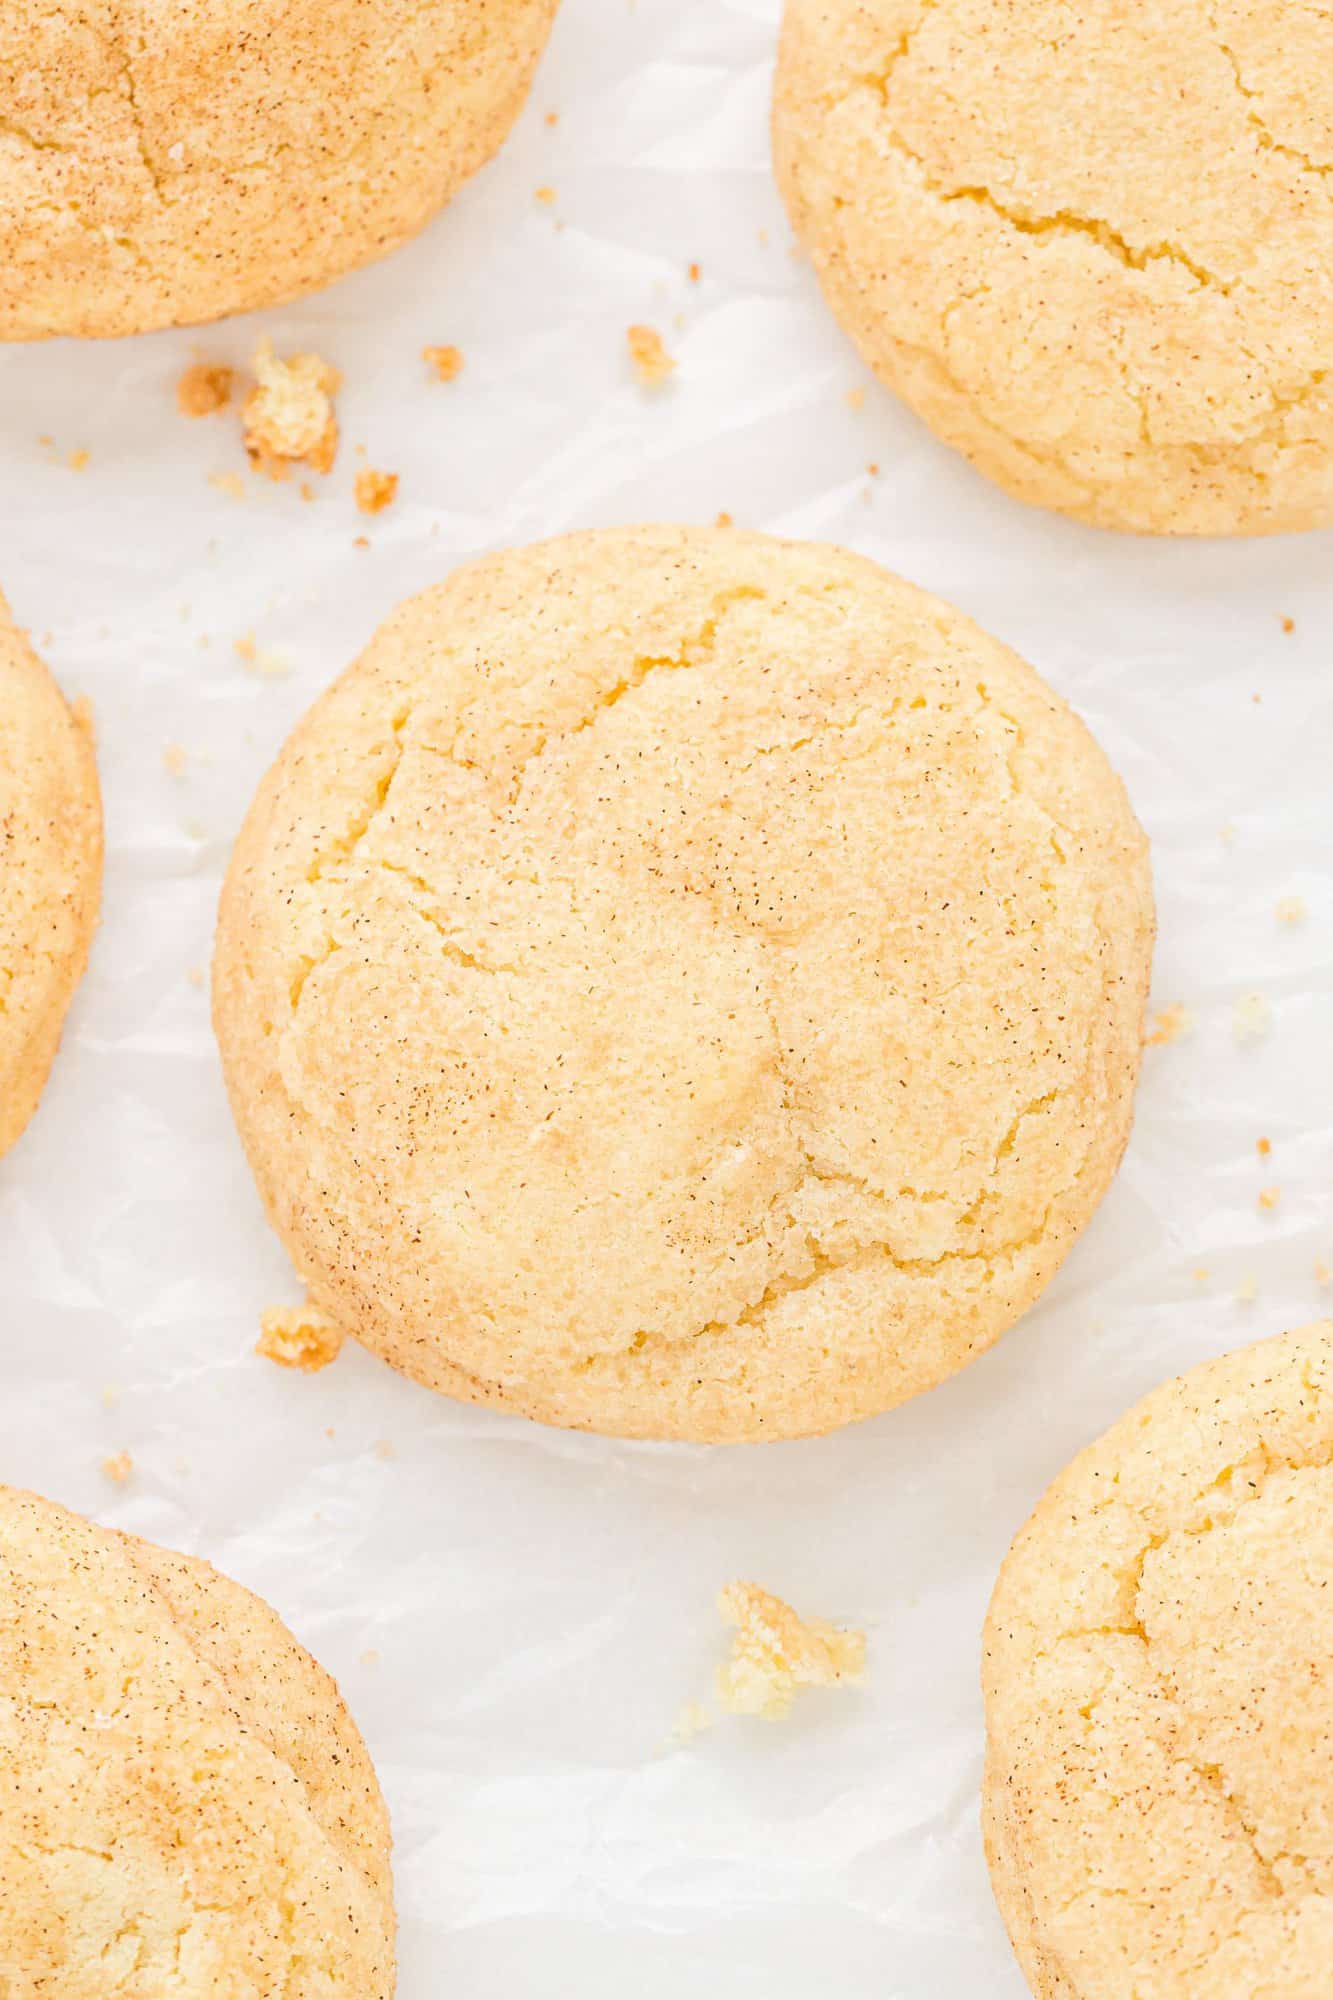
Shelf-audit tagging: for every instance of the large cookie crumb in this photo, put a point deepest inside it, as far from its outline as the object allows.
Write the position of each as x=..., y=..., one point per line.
x=289, y=415
x=776, y=1653
x=299, y=1337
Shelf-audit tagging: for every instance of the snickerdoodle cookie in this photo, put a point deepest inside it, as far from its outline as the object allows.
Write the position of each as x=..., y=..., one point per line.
x=1159, y=1694
x=50, y=871
x=186, y=1806
x=681, y=983
x=1091, y=245
x=166, y=164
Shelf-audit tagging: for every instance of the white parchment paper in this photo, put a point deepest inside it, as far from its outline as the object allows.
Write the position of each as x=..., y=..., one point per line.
x=516, y=1616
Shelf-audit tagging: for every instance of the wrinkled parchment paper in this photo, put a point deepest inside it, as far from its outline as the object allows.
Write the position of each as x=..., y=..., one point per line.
x=517, y=1616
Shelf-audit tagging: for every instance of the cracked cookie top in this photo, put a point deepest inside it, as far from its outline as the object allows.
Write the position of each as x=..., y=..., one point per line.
x=167, y=164
x=683, y=983
x=1092, y=245
x=50, y=871
x=1159, y=1696
x=186, y=1806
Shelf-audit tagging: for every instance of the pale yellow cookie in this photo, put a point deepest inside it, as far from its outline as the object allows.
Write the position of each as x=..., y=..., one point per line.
x=1159, y=1697
x=186, y=1806
x=167, y=164
x=50, y=871
x=683, y=984
x=1091, y=245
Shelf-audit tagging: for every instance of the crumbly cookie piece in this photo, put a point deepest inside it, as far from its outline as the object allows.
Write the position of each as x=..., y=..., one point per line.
x=1158, y=1697
x=299, y=1337
x=187, y=1806
x=683, y=983
x=776, y=1653
x=1121, y=310
x=50, y=871
x=289, y=414
x=166, y=167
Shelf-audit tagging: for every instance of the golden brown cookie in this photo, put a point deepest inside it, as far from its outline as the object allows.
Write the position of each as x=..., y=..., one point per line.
x=166, y=164
x=683, y=984
x=186, y=1806
x=1159, y=1697
x=50, y=871
x=1092, y=246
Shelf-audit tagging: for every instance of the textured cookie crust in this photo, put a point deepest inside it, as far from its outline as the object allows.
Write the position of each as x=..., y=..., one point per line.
x=167, y=163
x=681, y=983
x=185, y=1806
x=50, y=871
x=1091, y=245
x=1158, y=1801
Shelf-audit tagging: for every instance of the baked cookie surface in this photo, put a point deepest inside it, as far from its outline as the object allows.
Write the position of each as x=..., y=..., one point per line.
x=681, y=983
x=1158, y=1801
x=167, y=164
x=1092, y=246
x=186, y=1806
x=50, y=871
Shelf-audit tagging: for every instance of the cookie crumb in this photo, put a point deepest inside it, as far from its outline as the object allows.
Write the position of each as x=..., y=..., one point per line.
x=204, y=388
x=855, y=398
x=299, y=1337
x=1291, y=910
x=776, y=1653
x=692, y=1721
x=724, y=521
x=229, y=483
x=1247, y=1291
x=385, y=1449
x=1269, y=1198
x=371, y=1657
x=289, y=416
x=1251, y=1018
x=445, y=363
x=174, y=758
x=1322, y=1274
x=696, y=272
x=78, y=460
x=375, y=490
x=1288, y=624
x=1171, y=1025
x=257, y=660
x=652, y=364
x=545, y=195
x=1200, y=1274
x=118, y=1468
x=1263, y=1147
x=553, y=118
